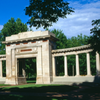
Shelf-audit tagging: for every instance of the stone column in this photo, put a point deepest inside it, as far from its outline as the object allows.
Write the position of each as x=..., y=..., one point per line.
x=39, y=66
x=53, y=65
x=1, y=68
x=65, y=66
x=97, y=63
x=88, y=65
x=77, y=65
x=13, y=63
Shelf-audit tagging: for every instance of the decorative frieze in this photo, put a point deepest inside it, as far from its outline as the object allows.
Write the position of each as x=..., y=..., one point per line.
x=26, y=50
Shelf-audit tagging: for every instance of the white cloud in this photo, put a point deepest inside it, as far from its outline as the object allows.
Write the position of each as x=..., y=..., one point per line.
x=1, y=26
x=80, y=21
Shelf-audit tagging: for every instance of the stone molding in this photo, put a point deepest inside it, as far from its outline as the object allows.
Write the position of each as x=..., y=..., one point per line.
x=85, y=47
x=31, y=39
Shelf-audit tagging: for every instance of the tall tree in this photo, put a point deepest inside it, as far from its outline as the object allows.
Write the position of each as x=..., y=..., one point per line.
x=45, y=12
x=11, y=27
x=95, y=38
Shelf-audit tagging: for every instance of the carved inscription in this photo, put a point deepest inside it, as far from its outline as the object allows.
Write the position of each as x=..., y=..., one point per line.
x=26, y=50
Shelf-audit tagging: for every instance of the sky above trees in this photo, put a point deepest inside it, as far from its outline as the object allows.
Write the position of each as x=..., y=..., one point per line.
x=79, y=22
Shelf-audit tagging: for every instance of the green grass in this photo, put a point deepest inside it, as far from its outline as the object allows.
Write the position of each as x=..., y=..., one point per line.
x=4, y=85
x=39, y=88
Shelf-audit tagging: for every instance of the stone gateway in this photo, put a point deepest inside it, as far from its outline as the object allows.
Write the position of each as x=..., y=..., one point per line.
x=41, y=45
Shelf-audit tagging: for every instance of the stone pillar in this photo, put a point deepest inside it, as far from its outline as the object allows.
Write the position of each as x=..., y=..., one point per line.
x=97, y=63
x=39, y=67
x=1, y=68
x=13, y=63
x=77, y=65
x=65, y=66
x=88, y=65
x=53, y=65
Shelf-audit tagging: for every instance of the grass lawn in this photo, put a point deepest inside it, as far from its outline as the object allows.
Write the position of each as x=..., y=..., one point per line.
x=4, y=85
x=35, y=88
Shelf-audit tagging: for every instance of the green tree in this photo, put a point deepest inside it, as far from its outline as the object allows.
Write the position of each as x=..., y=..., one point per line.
x=45, y=12
x=79, y=40
x=95, y=38
x=10, y=28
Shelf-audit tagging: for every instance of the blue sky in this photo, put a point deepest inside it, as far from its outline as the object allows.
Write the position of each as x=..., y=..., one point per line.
x=76, y=23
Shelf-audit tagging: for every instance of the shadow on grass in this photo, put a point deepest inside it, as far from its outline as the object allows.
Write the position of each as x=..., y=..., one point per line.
x=28, y=89
x=40, y=88
x=19, y=97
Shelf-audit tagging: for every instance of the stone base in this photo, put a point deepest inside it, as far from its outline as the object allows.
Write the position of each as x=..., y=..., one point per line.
x=88, y=75
x=39, y=80
x=66, y=75
x=16, y=81
x=44, y=80
x=22, y=80
x=77, y=75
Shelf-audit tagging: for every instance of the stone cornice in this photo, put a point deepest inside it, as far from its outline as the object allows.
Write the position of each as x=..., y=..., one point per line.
x=31, y=39
x=72, y=49
x=2, y=56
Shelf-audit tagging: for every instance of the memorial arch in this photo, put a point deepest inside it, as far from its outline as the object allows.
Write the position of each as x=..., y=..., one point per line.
x=42, y=46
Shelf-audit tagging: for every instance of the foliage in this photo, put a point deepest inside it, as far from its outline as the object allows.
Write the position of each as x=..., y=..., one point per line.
x=30, y=67
x=68, y=43
x=62, y=43
x=10, y=28
x=45, y=12
x=95, y=38
x=79, y=40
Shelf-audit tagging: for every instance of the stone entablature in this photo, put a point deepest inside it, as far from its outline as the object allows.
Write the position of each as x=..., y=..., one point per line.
x=30, y=36
x=78, y=48
x=2, y=57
